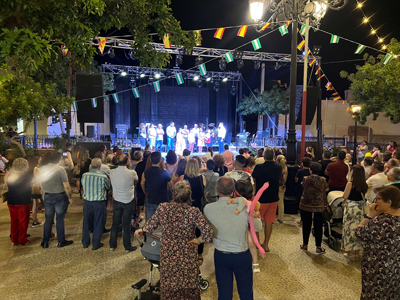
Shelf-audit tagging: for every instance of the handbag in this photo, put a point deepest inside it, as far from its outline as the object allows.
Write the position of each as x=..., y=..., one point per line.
x=208, y=195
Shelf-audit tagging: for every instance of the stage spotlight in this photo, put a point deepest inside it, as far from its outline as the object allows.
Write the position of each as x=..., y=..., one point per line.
x=179, y=59
x=196, y=77
x=316, y=50
x=257, y=64
x=233, y=90
x=240, y=64
x=200, y=84
x=157, y=75
x=216, y=86
x=208, y=79
x=225, y=79
x=237, y=54
x=222, y=64
x=111, y=53
x=277, y=65
x=142, y=75
x=123, y=73
x=198, y=60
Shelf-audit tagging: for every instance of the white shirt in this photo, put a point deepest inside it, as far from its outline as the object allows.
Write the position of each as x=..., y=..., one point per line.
x=196, y=131
x=3, y=162
x=260, y=160
x=191, y=138
x=160, y=133
x=123, y=184
x=221, y=132
x=104, y=169
x=152, y=133
x=171, y=131
x=373, y=182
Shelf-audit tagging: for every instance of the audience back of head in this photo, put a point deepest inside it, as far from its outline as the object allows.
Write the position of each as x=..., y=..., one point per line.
x=96, y=163
x=180, y=169
x=210, y=164
x=327, y=155
x=368, y=161
x=306, y=162
x=155, y=158
x=244, y=188
x=171, y=158
x=341, y=155
x=122, y=160
x=269, y=153
x=183, y=192
x=225, y=186
x=379, y=166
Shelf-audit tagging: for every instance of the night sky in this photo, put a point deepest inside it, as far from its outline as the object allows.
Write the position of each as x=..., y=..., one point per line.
x=346, y=23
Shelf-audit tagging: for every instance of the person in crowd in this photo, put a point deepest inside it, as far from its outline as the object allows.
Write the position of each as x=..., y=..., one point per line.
x=185, y=134
x=241, y=151
x=180, y=171
x=337, y=173
x=95, y=186
x=347, y=159
x=191, y=140
x=368, y=162
x=326, y=160
x=109, y=160
x=354, y=201
x=103, y=168
x=171, y=134
x=19, y=183
x=221, y=137
x=276, y=151
x=211, y=180
x=123, y=182
x=171, y=162
x=330, y=146
x=396, y=155
x=197, y=183
x=57, y=197
x=313, y=202
x=377, y=180
x=260, y=156
x=186, y=154
x=231, y=255
x=283, y=151
x=393, y=176
x=152, y=136
x=155, y=182
x=386, y=156
x=271, y=172
x=180, y=142
x=300, y=175
x=142, y=135
x=362, y=149
x=229, y=158
x=201, y=141
x=141, y=166
x=310, y=151
x=179, y=271
x=82, y=167
x=3, y=162
x=209, y=154
x=196, y=131
x=378, y=233
x=208, y=138
x=376, y=154
x=393, y=162
x=115, y=149
x=392, y=146
x=282, y=187
x=249, y=165
x=136, y=158
x=246, y=152
x=69, y=163
x=75, y=154
x=37, y=193
x=238, y=173
x=220, y=167
x=202, y=165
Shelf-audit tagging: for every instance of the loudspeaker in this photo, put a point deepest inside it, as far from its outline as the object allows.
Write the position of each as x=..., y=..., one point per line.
x=90, y=131
x=93, y=146
x=312, y=100
x=89, y=86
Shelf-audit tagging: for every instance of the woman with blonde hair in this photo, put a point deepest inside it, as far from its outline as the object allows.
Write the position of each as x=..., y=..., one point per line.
x=282, y=187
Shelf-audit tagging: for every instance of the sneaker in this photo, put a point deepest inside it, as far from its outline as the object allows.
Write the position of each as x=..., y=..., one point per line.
x=131, y=249
x=112, y=249
x=36, y=223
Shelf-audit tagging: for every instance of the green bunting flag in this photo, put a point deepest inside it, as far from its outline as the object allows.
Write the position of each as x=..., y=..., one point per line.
x=202, y=69
x=283, y=30
x=228, y=57
x=94, y=102
x=388, y=58
x=334, y=39
x=179, y=78
x=75, y=106
x=303, y=30
x=156, y=85
x=360, y=49
x=115, y=97
x=135, y=92
x=256, y=44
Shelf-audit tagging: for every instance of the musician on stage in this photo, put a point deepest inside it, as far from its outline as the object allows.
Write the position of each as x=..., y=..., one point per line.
x=160, y=137
x=142, y=135
x=152, y=136
x=208, y=138
x=221, y=137
x=196, y=131
x=185, y=134
x=171, y=134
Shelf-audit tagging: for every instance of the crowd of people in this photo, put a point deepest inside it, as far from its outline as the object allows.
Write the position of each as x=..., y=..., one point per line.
x=196, y=200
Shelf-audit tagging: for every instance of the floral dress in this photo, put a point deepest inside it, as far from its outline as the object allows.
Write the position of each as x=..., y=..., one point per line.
x=179, y=272
x=381, y=258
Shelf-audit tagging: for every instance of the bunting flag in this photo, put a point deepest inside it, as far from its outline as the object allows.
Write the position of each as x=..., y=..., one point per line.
x=136, y=93
x=335, y=94
x=256, y=44
x=303, y=30
x=337, y=98
x=94, y=102
x=197, y=33
x=64, y=50
x=328, y=85
x=288, y=23
x=388, y=58
x=309, y=52
x=283, y=30
x=300, y=46
x=318, y=70
x=266, y=25
x=360, y=49
x=242, y=31
x=156, y=85
x=219, y=33
x=330, y=88
x=102, y=44
x=348, y=109
x=319, y=78
x=179, y=78
x=202, y=69
x=75, y=106
x=334, y=39
x=342, y=101
x=166, y=41
x=312, y=62
x=115, y=97
x=228, y=57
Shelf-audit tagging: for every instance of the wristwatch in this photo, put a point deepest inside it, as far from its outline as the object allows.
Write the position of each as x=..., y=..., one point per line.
x=366, y=217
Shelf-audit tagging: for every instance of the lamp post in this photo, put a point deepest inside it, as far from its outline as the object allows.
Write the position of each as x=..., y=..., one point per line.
x=355, y=109
x=297, y=11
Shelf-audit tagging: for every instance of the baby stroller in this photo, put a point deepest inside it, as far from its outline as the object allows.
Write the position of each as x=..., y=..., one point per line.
x=150, y=249
x=333, y=216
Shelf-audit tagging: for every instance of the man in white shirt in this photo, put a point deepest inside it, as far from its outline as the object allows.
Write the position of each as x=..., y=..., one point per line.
x=3, y=162
x=238, y=173
x=196, y=131
x=377, y=180
x=152, y=136
x=185, y=133
x=221, y=137
x=123, y=182
x=171, y=134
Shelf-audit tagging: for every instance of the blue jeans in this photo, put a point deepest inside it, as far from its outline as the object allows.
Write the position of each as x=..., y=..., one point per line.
x=150, y=209
x=93, y=217
x=240, y=265
x=142, y=142
x=221, y=145
x=55, y=204
x=124, y=211
x=159, y=145
x=171, y=143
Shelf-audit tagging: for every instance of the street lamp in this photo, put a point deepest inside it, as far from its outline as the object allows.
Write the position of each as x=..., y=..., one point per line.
x=355, y=109
x=304, y=11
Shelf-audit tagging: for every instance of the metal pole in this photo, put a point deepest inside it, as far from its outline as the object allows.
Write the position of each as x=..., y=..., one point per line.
x=319, y=113
x=35, y=137
x=260, y=127
x=304, y=104
x=240, y=100
x=355, y=144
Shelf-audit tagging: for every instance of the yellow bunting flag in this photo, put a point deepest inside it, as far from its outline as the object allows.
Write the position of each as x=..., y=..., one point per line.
x=342, y=101
x=319, y=78
x=300, y=46
x=288, y=23
x=219, y=33
x=166, y=41
x=335, y=94
x=337, y=98
x=242, y=31
x=197, y=34
x=312, y=62
x=348, y=109
x=266, y=25
x=102, y=44
x=319, y=70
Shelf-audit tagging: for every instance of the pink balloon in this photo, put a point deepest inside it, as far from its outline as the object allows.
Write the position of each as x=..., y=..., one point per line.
x=251, y=221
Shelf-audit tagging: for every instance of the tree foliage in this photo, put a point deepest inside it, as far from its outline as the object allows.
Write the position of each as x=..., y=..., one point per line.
x=273, y=101
x=376, y=86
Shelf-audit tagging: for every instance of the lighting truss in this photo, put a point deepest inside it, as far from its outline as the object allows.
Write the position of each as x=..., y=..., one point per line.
x=133, y=71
